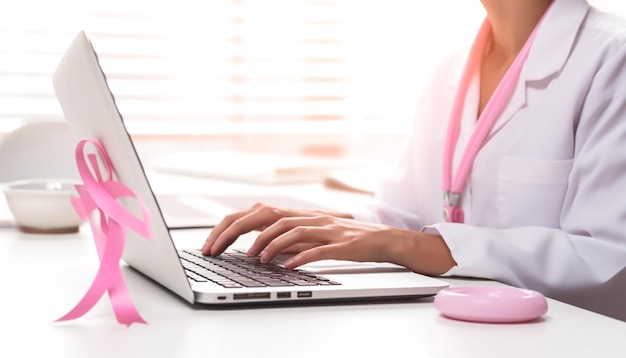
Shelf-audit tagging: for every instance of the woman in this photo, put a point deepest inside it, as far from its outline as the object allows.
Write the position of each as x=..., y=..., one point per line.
x=538, y=203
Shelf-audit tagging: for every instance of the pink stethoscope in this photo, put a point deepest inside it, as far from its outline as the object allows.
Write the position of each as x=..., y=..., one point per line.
x=500, y=98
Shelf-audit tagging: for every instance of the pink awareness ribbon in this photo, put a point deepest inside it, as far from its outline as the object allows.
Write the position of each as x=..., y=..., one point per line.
x=108, y=220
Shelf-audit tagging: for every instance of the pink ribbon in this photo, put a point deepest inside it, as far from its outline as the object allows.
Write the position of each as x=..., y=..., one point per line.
x=108, y=220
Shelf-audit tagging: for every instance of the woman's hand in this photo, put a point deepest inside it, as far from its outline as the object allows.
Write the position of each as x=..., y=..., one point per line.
x=316, y=235
x=257, y=217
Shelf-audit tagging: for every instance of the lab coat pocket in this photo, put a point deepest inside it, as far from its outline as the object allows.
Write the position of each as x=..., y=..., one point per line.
x=531, y=191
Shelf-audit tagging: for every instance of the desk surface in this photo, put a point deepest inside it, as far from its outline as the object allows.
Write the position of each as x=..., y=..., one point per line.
x=45, y=275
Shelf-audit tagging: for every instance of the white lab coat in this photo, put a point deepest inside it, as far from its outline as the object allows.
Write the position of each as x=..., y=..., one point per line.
x=545, y=203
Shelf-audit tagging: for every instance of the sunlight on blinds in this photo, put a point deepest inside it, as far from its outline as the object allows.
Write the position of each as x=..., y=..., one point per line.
x=261, y=65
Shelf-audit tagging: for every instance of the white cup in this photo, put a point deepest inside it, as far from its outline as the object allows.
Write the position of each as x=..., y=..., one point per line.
x=43, y=205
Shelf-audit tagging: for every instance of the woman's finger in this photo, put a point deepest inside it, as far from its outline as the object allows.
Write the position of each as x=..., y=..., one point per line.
x=283, y=226
x=234, y=225
x=336, y=251
x=301, y=235
x=258, y=217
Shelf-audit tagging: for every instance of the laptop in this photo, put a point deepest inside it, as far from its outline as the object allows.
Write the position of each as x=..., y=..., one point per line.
x=90, y=111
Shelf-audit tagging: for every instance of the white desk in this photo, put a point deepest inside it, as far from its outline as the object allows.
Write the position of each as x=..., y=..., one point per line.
x=43, y=276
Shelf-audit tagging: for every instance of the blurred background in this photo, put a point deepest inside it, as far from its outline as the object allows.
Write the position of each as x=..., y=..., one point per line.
x=337, y=78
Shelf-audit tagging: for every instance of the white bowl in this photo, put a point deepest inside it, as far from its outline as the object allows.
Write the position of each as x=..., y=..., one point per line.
x=43, y=205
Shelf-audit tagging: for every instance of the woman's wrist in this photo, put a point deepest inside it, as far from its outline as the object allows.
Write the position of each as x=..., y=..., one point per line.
x=421, y=252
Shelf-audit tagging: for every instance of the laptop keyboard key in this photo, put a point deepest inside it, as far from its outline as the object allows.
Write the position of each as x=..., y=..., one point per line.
x=235, y=270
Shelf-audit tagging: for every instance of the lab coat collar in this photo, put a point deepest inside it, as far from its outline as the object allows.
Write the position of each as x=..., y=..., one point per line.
x=555, y=39
x=553, y=45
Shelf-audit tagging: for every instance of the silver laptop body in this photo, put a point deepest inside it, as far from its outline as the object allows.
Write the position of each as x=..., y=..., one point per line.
x=90, y=112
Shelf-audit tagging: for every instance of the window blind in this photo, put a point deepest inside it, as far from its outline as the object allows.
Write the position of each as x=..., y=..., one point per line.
x=254, y=65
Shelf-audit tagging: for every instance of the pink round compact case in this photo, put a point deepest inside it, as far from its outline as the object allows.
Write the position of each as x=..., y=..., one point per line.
x=491, y=304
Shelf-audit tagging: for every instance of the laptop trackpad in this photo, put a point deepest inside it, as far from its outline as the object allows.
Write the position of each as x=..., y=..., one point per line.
x=343, y=267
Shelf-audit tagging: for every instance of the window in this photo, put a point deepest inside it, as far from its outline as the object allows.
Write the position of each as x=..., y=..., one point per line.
x=238, y=66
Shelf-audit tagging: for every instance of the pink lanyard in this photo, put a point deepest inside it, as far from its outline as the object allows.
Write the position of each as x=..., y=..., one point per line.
x=493, y=109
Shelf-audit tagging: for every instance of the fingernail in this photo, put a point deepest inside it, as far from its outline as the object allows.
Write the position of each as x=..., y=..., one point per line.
x=288, y=262
x=263, y=256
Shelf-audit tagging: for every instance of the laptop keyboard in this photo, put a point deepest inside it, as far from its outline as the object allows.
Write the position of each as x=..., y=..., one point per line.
x=236, y=270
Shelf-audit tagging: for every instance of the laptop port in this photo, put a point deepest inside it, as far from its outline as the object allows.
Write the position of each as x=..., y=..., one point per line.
x=305, y=294
x=283, y=295
x=250, y=296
